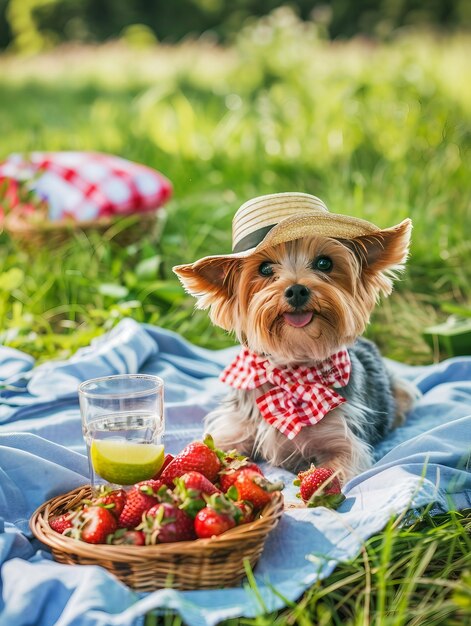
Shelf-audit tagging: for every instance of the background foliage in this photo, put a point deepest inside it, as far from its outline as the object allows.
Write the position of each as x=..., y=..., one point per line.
x=31, y=25
x=381, y=131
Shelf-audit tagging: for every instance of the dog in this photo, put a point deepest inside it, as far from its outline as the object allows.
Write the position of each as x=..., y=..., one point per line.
x=298, y=290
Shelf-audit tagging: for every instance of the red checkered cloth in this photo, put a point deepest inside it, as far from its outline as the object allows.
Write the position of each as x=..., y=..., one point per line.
x=87, y=185
x=300, y=396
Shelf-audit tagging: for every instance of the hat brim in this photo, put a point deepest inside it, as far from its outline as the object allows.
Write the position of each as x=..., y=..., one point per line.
x=298, y=226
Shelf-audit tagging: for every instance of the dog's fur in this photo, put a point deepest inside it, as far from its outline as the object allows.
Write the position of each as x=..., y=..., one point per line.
x=253, y=306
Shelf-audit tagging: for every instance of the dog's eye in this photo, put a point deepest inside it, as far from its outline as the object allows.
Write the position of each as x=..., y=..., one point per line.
x=265, y=269
x=323, y=264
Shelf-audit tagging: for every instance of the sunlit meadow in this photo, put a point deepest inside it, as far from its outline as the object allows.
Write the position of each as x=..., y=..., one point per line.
x=380, y=131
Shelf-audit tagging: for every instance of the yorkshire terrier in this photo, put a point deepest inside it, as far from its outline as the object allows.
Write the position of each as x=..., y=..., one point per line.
x=298, y=291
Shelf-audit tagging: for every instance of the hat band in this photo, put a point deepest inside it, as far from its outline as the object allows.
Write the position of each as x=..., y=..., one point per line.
x=252, y=239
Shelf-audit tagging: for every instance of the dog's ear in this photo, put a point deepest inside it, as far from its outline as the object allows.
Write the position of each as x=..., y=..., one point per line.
x=211, y=275
x=383, y=254
x=388, y=249
x=212, y=281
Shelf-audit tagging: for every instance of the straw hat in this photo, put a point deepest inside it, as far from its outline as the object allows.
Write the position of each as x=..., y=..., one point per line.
x=266, y=221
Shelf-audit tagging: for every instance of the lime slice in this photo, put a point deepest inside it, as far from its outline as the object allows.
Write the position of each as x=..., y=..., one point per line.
x=125, y=462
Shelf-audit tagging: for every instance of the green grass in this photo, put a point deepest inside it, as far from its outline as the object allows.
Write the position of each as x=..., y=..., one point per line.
x=406, y=575
x=411, y=574
x=378, y=131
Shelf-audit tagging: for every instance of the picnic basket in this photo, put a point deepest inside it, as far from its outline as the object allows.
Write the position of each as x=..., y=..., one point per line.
x=47, y=197
x=124, y=230
x=199, y=564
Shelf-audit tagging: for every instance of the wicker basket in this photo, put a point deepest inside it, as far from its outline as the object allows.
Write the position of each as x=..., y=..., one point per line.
x=198, y=564
x=124, y=229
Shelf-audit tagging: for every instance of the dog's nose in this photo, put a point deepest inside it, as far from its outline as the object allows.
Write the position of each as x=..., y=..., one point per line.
x=297, y=295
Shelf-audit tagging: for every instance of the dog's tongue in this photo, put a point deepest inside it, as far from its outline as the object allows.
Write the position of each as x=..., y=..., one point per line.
x=298, y=320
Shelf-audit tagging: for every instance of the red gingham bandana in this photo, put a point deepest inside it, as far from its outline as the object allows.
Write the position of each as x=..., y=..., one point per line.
x=300, y=396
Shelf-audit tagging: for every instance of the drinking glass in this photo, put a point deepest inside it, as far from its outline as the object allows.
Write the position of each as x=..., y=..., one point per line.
x=123, y=426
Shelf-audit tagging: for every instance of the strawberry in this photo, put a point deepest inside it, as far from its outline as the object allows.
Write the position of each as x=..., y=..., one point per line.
x=220, y=514
x=209, y=522
x=198, y=456
x=167, y=460
x=166, y=523
x=318, y=486
x=93, y=525
x=255, y=488
x=140, y=498
x=191, y=490
x=60, y=523
x=198, y=482
x=246, y=511
x=229, y=474
x=127, y=538
x=114, y=500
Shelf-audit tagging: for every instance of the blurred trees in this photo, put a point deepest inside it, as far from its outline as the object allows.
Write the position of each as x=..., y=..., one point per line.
x=31, y=25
